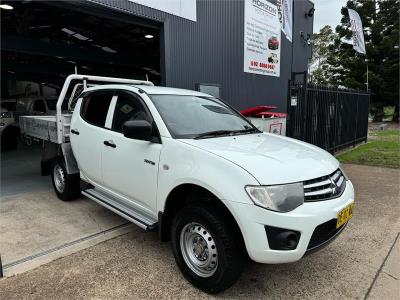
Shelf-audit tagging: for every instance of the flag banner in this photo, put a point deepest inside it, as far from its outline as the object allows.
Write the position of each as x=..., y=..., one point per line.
x=358, y=33
x=285, y=11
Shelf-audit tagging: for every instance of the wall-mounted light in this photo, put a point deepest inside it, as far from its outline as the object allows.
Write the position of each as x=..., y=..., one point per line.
x=108, y=49
x=6, y=6
x=148, y=36
x=310, y=12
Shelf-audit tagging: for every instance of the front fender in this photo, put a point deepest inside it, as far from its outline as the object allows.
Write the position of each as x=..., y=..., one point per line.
x=181, y=163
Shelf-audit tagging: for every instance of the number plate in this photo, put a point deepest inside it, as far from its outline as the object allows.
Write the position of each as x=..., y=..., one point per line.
x=345, y=215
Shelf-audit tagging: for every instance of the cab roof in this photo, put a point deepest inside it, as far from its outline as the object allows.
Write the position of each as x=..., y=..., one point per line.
x=162, y=90
x=151, y=90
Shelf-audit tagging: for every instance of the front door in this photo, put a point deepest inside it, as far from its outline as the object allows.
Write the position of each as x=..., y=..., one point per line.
x=87, y=133
x=130, y=167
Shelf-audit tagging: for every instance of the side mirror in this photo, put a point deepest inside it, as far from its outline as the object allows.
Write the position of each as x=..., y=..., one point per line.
x=138, y=130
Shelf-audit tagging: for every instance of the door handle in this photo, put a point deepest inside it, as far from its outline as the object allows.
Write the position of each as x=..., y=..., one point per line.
x=74, y=131
x=110, y=144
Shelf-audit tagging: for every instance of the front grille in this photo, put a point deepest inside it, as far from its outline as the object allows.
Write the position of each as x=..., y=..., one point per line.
x=325, y=187
x=324, y=233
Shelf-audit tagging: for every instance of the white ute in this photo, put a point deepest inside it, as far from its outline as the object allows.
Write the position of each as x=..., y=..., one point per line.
x=191, y=167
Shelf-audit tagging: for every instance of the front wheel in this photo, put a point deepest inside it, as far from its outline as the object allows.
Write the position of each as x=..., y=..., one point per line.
x=206, y=248
x=66, y=186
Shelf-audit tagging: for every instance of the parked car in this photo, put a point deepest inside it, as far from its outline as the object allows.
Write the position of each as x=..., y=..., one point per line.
x=273, y=43
x=8, y=130
x=37, y=105
x=188, y=165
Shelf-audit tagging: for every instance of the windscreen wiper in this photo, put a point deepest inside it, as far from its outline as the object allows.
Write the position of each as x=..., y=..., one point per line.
x=225, y=132
x=214, y=133
x=248, y=130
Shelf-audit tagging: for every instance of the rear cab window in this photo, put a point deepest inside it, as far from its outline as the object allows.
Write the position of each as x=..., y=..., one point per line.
x=95, y=107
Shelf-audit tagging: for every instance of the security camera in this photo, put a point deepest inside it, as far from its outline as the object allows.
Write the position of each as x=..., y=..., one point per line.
x=306, y=38
x=309, y=42
x=310, y=13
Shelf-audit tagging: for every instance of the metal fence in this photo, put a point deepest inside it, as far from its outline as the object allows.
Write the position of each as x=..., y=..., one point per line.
x=327, y=117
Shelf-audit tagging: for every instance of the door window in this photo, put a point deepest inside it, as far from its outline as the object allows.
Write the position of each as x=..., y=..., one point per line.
x=128, y=108
x=39, y=106
x=95, y=107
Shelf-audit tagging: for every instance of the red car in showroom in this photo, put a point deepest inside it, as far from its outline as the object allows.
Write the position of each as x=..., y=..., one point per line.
x=273, y=43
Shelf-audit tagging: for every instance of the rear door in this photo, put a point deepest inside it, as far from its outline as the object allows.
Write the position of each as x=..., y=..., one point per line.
x=87, y=132
x=130, y=167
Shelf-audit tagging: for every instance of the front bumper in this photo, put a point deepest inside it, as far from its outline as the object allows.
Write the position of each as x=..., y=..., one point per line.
x=304, y=219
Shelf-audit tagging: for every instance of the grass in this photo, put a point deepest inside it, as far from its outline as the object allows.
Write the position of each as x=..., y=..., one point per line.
x=382, y=149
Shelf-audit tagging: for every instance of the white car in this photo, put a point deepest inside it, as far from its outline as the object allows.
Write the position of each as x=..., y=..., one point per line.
x=190, y=166
x=36, y=105
x=8, y=130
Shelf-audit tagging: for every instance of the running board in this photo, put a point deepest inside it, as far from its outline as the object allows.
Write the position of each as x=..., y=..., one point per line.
x=143, y=221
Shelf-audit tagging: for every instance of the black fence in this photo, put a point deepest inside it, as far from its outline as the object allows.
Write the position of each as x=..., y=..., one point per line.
x=327, y=117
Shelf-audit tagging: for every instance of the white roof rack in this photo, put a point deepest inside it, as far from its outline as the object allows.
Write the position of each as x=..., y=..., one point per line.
x=107, y=79
x=92, y=79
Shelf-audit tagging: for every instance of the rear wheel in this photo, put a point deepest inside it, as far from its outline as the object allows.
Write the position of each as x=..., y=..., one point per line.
x=206, y=248
x=66, y=186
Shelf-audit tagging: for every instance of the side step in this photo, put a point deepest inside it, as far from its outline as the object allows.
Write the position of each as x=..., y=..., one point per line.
x=140, y=219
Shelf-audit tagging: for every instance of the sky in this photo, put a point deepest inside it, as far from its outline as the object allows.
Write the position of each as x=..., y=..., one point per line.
x=327, y=12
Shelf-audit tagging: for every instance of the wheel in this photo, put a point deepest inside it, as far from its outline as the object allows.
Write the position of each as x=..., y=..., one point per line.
x=66, y=186
x=206, y=248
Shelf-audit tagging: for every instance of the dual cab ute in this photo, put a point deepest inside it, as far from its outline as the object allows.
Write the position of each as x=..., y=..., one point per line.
x=191, y=167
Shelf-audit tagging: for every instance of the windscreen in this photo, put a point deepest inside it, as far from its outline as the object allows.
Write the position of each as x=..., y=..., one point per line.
x=191, y=116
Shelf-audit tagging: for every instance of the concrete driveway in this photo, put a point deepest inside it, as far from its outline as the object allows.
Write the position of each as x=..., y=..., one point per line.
x=36, y=227
x=362, y=263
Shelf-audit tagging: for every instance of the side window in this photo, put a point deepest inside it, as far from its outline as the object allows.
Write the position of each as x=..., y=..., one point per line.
x=128, y=108
x=39, y=106
x=95, y=107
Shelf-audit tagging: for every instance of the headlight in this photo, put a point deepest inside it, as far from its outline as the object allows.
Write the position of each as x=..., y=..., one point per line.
x=5, y=114
x=281, y=198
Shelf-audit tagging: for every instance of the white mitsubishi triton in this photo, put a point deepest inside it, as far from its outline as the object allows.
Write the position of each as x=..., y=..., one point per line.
x=191, y=167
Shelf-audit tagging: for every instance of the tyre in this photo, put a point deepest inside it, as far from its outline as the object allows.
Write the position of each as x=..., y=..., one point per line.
x=66, y=186
x=206, y=248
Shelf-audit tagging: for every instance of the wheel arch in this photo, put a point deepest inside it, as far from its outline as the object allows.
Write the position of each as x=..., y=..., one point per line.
x=185, y=194
x=52, y=151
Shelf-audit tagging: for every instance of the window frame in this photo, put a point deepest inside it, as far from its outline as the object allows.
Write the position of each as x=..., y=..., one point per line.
x=115, y=93
x=90, y=93
x=141, y=102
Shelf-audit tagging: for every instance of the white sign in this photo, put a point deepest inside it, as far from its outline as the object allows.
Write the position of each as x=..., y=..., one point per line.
x=262, y=38
x=181, y=8
x=358, y=33
x=293, y=101
x=287, y=18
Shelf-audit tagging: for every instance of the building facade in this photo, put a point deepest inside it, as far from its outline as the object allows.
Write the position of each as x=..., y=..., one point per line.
x=199, y=43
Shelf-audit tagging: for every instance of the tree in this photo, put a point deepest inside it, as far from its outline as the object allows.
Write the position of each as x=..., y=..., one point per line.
x=320, y=69
x=381, y=33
